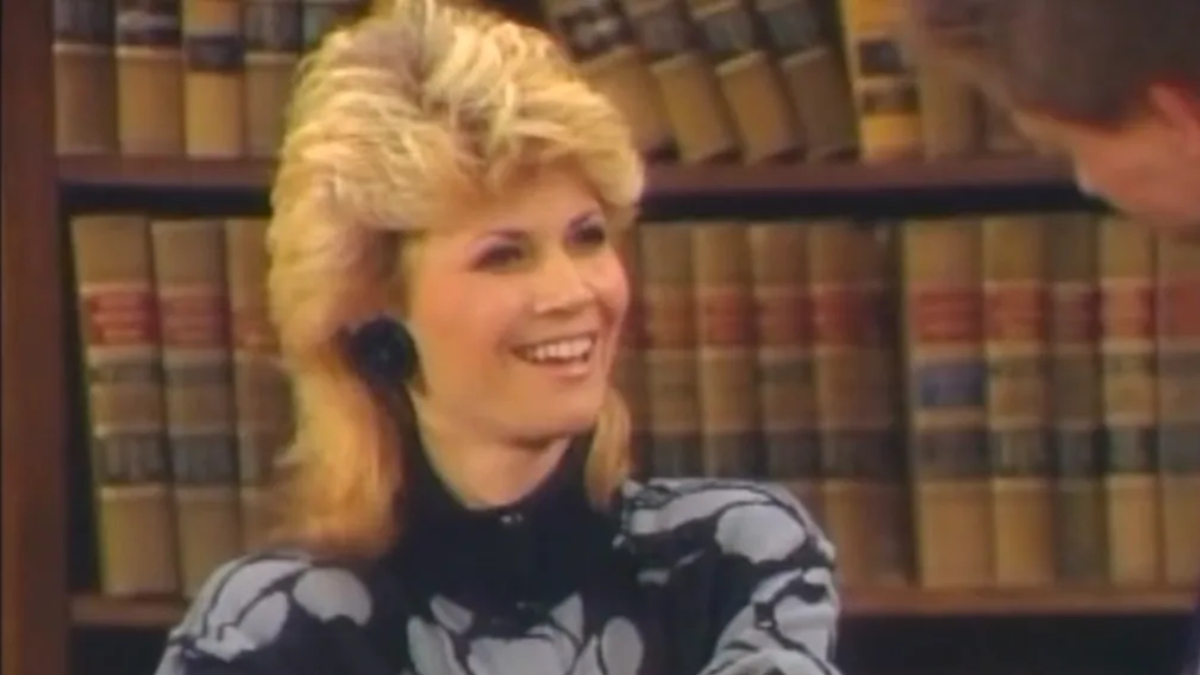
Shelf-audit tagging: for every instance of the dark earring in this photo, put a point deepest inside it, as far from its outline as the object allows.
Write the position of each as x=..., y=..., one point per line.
x=384, y=350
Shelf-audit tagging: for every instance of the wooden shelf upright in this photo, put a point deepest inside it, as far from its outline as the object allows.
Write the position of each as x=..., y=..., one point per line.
x=34, y=594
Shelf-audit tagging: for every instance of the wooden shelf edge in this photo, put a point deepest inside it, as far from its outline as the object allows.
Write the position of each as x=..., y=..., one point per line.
x=90, y=610
x=98, y=611
x=663, y=181
x=913, y=602
x=165, y=173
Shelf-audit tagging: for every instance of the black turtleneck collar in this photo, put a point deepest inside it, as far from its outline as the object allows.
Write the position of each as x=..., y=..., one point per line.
x=531, y=553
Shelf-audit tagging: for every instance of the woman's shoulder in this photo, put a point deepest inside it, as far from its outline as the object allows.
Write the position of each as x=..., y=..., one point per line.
x=754, y=518
x=258, y=599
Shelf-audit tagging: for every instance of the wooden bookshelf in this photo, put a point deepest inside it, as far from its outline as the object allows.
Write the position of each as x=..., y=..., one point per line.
x=664, y=180
x=673, y=191
x=89, y=610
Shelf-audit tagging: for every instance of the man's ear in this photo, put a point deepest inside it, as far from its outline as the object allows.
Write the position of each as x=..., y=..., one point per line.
x=1180, y=108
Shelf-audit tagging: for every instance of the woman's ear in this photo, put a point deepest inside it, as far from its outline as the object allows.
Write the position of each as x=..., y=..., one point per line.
x=1179, y=108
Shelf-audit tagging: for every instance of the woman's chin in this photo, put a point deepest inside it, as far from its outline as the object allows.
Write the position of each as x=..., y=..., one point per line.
x=560, y=421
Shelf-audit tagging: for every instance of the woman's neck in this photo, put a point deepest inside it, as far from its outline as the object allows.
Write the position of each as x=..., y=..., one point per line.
x=482, y=471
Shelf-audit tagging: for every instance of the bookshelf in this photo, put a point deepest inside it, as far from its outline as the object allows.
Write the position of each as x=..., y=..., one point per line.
x=673, y=191
x=665, y=180
x=43, y=620
x=99, y=611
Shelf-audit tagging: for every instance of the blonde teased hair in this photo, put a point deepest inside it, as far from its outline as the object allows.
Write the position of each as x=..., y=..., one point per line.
x=391, y=116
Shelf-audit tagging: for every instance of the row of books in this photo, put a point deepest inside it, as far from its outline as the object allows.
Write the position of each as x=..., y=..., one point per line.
x=998, y=401
x=1002, y=400
x=699, y=80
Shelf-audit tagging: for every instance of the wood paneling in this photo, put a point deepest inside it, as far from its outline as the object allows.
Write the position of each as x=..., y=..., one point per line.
x=35, y=620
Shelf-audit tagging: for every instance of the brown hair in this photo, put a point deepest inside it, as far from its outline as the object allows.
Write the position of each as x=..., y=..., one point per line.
x=390, y=118
x=1085, y=61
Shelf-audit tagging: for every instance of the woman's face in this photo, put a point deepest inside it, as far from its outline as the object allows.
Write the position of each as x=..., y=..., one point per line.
x=515, y=306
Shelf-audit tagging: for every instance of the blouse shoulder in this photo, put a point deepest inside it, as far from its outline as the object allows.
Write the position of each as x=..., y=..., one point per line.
x=746, y=570
x=261, y=601
x=759, y=520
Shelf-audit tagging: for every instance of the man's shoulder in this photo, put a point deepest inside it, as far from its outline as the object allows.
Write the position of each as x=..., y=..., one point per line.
x=1192, y=655
x=760, y=520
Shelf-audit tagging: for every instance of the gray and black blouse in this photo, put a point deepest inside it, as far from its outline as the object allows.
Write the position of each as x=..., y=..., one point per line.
x=681, y=577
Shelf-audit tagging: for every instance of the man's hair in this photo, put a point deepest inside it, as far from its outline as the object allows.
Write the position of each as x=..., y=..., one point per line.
x=394, y=120
x=1083, y=61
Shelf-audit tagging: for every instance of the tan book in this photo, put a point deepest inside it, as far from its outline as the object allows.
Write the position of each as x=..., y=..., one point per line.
x=262, y=398
x=947, y=398
x=886, y=97
x=814, y=77
x=672, y=381
x=130, y=470
x=865, y=499
x=1178, y=357
x=629, y=371
x=1000, y=135
x=190, y=280
x=214, y=84
x=767, y=126
x=1076, y=399
x=786, y=396
x=85, y=84
x=319, y=17
x=1018, y=399
x=951, y=119
x=599, y=39
x=726, y=348
x=1127, y=320
x=274, y=38
x=691, y=95
x=150, y=73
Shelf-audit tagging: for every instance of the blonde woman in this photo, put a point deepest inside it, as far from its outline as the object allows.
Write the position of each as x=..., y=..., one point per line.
x=448, y=297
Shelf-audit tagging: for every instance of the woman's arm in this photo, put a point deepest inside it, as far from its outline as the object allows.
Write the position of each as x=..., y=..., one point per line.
x=746, y=574
x=269, y=615
x=775, y=583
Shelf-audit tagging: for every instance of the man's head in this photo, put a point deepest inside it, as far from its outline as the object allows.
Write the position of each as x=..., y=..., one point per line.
x=1114, y=84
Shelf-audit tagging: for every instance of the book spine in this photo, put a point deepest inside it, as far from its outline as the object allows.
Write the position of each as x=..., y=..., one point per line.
x=1076, y=384
x=85, y=84
x=951, y=121
x=1178, y=357
x=274, y=36
x=767, y=127
x=784, y=356
x=886, y=97
x=947, y=399
x=629, y=371
x=319, y=17
x=999, y=135
x=864, y=496
x=149, y=68
x=214, y=83
x=601, y=42
x=691, y=95
x=189, y=259
x=726, y=341
x=130, y=469
x=261, y=394
x=1127, y=316
x=813, y=76
x=1018, y=400
x=672, y=380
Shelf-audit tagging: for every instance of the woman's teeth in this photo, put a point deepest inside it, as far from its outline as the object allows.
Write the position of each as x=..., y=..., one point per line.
x=558, y=351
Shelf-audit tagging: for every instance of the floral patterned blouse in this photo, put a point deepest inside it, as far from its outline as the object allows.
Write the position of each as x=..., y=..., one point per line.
x=679, y=577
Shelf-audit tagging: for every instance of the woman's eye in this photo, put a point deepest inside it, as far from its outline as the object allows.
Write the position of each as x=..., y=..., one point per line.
x=591, y=236
x=501, y=257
